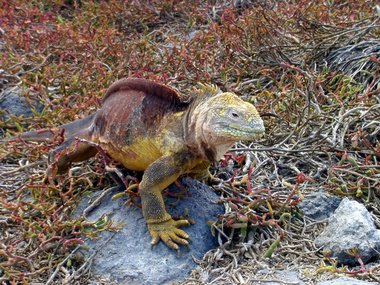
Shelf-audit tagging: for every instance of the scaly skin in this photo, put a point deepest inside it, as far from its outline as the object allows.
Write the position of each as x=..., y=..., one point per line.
x=146, y=127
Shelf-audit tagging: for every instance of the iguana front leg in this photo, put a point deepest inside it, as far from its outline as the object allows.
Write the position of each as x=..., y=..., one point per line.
x=159, y=175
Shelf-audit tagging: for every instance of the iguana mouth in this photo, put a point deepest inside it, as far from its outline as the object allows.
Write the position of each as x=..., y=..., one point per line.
x=257, y=132
x=241, y=134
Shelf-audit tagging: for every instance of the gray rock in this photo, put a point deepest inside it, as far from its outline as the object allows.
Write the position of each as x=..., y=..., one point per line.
x=128, y=257
x=351, y=226
x=12, y=102
x=353, y=57
x=319, y=205
x=346, y=281
x=283, y=277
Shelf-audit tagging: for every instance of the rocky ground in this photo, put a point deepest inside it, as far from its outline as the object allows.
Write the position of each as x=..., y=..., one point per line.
x=299, y=206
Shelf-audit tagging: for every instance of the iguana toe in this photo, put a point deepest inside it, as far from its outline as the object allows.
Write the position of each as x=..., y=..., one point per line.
x=181, y=223
x=169, y=233
x=213, y=180
x=51, y=175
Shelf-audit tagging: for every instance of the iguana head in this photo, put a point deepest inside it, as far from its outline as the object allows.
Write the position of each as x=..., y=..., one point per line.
x=229, y=117
x=221, y=119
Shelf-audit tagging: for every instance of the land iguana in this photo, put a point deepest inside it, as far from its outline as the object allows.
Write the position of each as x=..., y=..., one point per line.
x=147, y=127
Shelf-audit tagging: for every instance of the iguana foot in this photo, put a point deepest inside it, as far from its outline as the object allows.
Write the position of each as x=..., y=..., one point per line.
x=169, y=233
x=211, y=179
x=51, y=175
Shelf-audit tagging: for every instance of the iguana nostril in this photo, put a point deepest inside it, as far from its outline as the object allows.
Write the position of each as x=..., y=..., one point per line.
x=259, y=126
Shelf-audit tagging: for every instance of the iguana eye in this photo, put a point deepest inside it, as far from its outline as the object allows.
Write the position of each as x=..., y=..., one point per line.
x=235, y=115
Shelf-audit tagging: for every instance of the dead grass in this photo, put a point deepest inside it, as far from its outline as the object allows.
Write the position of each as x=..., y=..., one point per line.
x=322, y=123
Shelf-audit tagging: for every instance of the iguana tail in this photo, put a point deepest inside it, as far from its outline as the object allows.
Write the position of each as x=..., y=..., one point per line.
x=69, y=130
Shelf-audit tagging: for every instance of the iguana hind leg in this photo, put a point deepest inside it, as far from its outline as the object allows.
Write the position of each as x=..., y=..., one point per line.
x=202, y=172
x=74, y=149
x=159, y=175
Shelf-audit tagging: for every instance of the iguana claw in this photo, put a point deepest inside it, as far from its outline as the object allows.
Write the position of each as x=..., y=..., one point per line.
x=169, y=233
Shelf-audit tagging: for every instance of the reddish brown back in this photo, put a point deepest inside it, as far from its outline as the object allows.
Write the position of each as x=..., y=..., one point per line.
x=146, y=86
x=134, y=107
